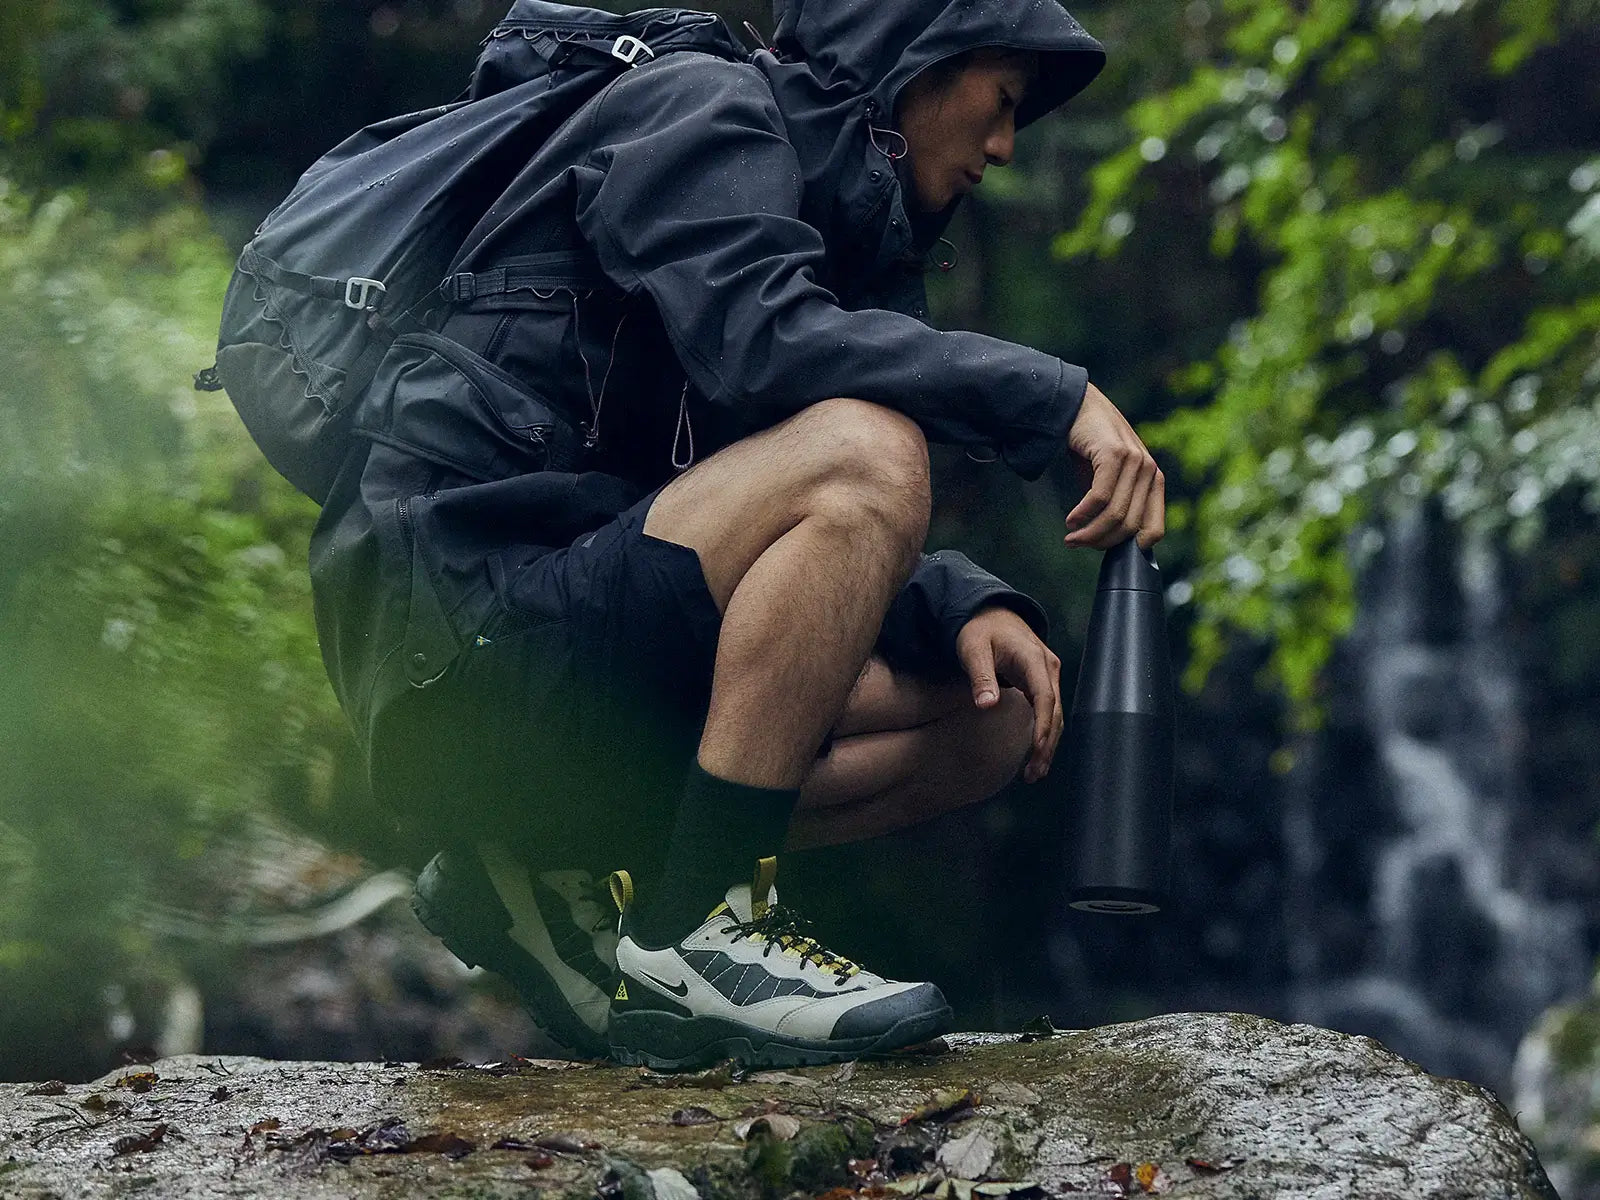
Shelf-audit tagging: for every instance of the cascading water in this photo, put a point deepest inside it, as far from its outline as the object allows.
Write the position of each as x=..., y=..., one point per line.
x=1459, y=950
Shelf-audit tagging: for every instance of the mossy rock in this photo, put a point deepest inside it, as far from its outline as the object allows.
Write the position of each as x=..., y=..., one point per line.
x=1211, y=1105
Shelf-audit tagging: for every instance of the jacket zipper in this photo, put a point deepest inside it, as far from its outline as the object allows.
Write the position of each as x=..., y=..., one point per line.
x=403, y=512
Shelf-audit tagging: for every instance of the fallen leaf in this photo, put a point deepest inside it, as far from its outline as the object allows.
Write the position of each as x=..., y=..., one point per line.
x=944, y=1106
x=512, y=1143
x=269, y=1125
x=53, y=1088
x=968, y=1156
x=695, y=1116
x=539, y=1160
x=780, y=1125
x=1152, y=1179
x=912, y=1185
x=1120, y=1177
x=95, y=1102
x=221, y=1094
x=1215, y=1166
x=845, y=1073
x=450, y=1145
x=140, y=1143
x=862, y=1168
x=138, y=1081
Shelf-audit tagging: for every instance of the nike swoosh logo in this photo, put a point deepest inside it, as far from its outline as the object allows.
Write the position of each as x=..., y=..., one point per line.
x=680, y=988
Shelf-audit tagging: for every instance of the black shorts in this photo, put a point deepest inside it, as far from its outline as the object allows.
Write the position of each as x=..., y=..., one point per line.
x=566, y=726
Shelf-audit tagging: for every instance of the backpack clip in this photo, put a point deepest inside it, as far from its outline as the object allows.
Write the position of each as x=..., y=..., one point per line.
x=628, y=48
x=361, y=294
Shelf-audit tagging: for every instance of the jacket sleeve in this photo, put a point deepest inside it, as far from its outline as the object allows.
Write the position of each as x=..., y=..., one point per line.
x=944, y=593
x=692, y=195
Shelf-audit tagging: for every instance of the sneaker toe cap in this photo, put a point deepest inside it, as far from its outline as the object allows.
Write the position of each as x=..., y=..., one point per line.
x=877, y=1017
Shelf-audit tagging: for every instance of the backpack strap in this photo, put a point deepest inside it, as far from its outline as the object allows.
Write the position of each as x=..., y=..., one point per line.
x=527, y=273
x=357, y=292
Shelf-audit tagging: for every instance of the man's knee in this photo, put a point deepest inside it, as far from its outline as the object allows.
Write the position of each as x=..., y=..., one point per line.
x=871, y=461
x=1008, y=737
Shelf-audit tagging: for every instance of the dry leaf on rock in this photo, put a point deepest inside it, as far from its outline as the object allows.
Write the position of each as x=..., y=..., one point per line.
x=1152, y=1179
x=969, y=1156
x=95, y=1102
x=1119, y=1179
x=221, y=1093
x=141, y=1143
x=944, y=1106
x=913, y=1185
x=269, y=1125
x=53, y=1088
x=845, y=1073
x=450, y=1145
x=695, y=1115
x=781, y=1126
x=138, y=1081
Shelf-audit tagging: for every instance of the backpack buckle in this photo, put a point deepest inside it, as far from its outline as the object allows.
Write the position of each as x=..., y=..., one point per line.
x=629, y=48
x=361, y=294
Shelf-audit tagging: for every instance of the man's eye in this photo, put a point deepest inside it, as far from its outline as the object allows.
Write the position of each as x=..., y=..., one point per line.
x=1006, y=100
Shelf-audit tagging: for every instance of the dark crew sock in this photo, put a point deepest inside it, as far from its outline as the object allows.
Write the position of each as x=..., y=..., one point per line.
x=722, y=828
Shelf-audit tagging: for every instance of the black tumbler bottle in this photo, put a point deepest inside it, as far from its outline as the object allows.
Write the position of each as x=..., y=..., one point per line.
x=1119, y=743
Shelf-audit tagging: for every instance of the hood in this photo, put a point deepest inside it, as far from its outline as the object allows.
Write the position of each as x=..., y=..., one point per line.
x=836, y=70
x=873, y=48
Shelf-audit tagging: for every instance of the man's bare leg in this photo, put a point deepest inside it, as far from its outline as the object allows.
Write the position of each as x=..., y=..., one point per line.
x=805, y=532
x=907, y=750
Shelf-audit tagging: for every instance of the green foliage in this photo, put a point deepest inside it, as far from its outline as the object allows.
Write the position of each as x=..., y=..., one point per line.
x=1426, y=260
x=163, y=680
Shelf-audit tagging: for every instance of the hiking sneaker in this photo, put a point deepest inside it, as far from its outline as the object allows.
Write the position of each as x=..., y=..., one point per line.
x=552, y=934
x=750, y=984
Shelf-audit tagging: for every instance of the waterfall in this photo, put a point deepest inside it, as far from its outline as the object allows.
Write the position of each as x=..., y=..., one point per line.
x=1460, y=951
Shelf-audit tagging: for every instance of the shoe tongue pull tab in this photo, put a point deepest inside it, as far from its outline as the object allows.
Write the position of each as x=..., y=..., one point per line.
x=763, y=892
x=621, y=884
x=752, y=901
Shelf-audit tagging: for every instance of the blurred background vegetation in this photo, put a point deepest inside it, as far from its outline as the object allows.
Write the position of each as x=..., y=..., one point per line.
x=1339, y=259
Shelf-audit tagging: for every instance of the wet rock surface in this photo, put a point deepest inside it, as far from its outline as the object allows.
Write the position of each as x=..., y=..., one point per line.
x=1204, y=1105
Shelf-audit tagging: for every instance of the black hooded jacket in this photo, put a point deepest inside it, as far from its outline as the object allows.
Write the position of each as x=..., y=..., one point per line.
x=712, y=244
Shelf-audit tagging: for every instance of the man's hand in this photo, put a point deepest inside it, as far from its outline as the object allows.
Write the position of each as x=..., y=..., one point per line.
x=998, y=647
x=1128, y=495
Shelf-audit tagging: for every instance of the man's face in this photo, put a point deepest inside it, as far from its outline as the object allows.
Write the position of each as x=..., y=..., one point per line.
x=955, y=126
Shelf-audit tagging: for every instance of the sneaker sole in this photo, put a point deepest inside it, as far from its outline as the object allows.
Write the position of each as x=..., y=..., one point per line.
x=439, y=894
x=667, y=1042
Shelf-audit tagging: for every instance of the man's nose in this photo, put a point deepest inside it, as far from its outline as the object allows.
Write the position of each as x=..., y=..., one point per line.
x=1002, y=142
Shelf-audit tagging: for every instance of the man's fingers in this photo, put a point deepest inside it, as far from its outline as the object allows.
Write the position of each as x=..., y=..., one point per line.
x=1104, y=529
x=978, y=662
x=1155, y=513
